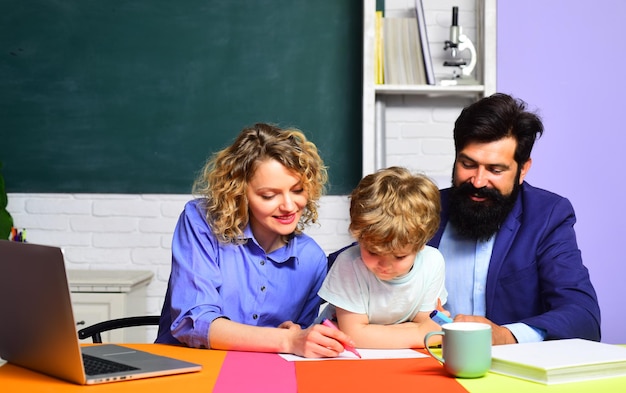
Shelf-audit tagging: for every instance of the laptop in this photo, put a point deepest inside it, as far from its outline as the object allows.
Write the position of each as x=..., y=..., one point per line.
x=38, y=331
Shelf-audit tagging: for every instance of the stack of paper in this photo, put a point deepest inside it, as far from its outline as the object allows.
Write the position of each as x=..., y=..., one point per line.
x=559, y=361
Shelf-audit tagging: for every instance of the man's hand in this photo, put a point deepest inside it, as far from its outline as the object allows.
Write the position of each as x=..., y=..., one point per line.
x=499, y=334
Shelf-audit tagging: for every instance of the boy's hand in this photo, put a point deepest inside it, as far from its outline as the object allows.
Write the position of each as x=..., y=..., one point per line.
x=441, y=309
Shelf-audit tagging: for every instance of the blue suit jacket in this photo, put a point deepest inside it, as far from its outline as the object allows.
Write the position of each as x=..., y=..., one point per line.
x=536, y=275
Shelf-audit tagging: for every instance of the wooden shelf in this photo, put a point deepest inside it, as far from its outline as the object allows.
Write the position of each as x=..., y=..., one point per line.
x=429, y=89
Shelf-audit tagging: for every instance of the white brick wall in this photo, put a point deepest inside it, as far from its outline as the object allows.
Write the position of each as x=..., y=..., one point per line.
x=133, y=232
x=419, y=134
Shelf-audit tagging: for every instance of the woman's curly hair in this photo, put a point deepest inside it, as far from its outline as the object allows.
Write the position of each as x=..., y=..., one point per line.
x=224, y=179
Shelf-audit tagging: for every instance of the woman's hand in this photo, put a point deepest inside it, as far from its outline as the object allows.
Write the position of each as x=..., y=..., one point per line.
x=317, y=341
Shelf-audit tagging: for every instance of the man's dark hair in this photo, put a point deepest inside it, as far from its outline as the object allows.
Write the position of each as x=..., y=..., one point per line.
x=495, y=117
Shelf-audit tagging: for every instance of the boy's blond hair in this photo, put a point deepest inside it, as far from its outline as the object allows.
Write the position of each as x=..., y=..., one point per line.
x=392, y=209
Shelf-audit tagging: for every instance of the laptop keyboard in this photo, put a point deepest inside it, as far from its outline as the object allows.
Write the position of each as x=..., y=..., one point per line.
x=97, y=366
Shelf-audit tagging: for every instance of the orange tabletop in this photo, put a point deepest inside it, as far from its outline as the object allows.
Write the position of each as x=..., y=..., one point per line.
x=18, y=379
x=261, y=372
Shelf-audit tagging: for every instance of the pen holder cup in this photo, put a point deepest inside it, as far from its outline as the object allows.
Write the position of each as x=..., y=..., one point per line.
x=466, y=348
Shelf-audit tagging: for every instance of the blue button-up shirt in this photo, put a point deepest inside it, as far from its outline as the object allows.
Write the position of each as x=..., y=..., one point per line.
x=467, y=264
x=210, y=280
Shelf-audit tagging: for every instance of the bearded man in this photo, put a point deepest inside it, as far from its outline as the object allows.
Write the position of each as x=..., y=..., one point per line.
x=511, y=254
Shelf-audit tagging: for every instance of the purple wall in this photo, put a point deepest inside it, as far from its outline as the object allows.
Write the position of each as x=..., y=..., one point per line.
x=566, y=60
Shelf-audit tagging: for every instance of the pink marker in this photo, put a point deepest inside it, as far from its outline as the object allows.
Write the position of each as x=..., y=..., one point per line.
x=349, y=348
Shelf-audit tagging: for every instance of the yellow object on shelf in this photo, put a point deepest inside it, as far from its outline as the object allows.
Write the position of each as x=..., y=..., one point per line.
x=379, y=50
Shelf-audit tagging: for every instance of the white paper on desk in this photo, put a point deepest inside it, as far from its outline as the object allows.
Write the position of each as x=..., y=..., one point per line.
x=365, y=355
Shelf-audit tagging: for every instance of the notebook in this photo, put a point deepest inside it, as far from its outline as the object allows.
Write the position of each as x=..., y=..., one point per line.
x=38, y=331
x=559, y=361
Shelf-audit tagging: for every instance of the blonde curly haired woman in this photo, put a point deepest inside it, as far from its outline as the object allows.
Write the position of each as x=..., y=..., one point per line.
x=244, y=276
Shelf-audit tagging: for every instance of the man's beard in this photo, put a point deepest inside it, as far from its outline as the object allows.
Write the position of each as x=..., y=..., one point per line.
x=480, y=220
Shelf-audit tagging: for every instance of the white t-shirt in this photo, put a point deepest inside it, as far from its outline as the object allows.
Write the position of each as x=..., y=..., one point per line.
x=351, y=286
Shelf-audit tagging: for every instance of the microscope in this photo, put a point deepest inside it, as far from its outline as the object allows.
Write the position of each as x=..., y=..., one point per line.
x=459, y=42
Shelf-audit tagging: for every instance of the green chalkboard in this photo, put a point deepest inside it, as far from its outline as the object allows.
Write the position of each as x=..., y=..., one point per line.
x=120, y=96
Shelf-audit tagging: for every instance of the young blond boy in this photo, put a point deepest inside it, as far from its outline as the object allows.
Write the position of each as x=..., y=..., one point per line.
x=382, y=289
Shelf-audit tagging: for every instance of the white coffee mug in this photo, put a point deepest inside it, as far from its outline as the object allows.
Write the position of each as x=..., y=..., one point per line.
x=466, y=348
